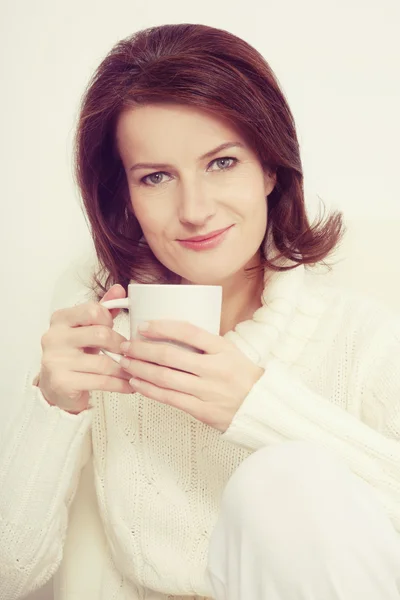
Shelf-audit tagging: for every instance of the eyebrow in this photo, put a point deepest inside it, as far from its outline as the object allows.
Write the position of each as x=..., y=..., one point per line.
x=224, y=146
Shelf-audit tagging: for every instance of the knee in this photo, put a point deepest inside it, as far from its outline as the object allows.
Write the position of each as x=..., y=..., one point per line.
x=298, y=507
x=289, y=481
x=285, y=466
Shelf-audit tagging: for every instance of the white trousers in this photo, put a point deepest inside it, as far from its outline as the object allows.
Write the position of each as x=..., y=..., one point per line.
x=297, y=524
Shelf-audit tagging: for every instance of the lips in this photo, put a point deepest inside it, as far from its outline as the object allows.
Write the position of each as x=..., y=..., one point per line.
x=208, y=241
x=207, y=236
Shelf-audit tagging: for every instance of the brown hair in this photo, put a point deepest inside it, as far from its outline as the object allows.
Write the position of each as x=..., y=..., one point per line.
x=213, y=70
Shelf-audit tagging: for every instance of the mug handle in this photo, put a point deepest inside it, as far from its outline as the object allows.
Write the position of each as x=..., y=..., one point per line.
x=117, y=303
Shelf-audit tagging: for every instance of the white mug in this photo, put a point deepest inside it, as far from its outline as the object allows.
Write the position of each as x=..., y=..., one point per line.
x=197, y=304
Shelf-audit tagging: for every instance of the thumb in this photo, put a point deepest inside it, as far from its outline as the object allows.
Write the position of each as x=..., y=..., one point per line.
x=115, y=292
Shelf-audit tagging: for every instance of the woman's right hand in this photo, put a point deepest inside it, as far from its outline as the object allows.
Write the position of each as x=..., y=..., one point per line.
x=71, y=364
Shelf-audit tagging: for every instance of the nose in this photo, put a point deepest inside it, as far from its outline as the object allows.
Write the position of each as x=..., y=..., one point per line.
x=196, y=206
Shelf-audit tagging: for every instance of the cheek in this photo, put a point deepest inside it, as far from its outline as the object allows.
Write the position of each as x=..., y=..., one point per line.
x=255, y=217
x=257, y=223
x=247, y=186
x=152, y=218
x=252, y=206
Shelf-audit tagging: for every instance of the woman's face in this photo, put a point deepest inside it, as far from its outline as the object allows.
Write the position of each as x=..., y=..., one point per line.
x=182, y=186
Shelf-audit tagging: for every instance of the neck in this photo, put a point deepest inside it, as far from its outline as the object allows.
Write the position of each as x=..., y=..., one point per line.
x=241, y=297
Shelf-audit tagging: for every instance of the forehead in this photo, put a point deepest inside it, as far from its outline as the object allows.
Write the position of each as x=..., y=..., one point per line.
x=172, y=127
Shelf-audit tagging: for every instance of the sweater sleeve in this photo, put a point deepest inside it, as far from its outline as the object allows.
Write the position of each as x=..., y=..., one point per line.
x=281, y=407
x=42, y=452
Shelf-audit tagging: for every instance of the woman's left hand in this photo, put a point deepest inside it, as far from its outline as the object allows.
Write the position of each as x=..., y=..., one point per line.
x=210, y=386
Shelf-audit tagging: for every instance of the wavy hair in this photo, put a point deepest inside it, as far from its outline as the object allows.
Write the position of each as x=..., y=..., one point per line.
x=210, y=69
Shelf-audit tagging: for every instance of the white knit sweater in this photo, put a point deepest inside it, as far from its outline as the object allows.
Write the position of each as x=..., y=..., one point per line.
x=332, y=376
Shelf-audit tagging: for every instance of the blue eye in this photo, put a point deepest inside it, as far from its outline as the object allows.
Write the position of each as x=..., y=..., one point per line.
x=155, y=179
x=151, y=178
x=224, y=159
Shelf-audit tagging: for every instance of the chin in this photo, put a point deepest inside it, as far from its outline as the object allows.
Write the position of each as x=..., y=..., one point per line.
x=206, y=280
x=209, y=277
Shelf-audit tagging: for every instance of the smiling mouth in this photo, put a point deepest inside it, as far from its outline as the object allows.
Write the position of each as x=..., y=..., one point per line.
x=206, y=242
x=207, y=236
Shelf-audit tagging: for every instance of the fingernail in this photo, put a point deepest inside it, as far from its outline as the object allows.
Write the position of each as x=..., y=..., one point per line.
x=143, y=326
x=124, y=362
x=125, y=346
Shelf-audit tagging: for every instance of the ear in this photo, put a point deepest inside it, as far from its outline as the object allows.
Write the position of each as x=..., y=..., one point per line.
x=269, y=181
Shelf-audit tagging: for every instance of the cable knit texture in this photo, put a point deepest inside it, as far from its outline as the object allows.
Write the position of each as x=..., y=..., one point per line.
x=332, y=376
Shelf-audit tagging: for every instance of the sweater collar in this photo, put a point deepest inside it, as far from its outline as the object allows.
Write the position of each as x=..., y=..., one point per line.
x=287, y=319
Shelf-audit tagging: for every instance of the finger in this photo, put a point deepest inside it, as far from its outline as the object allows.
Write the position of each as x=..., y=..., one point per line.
x=95, y=336
x=105, y=383
x=185, y=333
x=166, y=355
x=187, y=403
x=115, y=292
x=97, y=365
x=165, y=377
x=88, y=313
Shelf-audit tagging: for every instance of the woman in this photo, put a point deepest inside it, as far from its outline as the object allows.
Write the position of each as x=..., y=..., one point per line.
x=267, y=466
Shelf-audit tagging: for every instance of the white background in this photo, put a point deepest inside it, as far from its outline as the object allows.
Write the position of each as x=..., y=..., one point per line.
x=338, y=63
